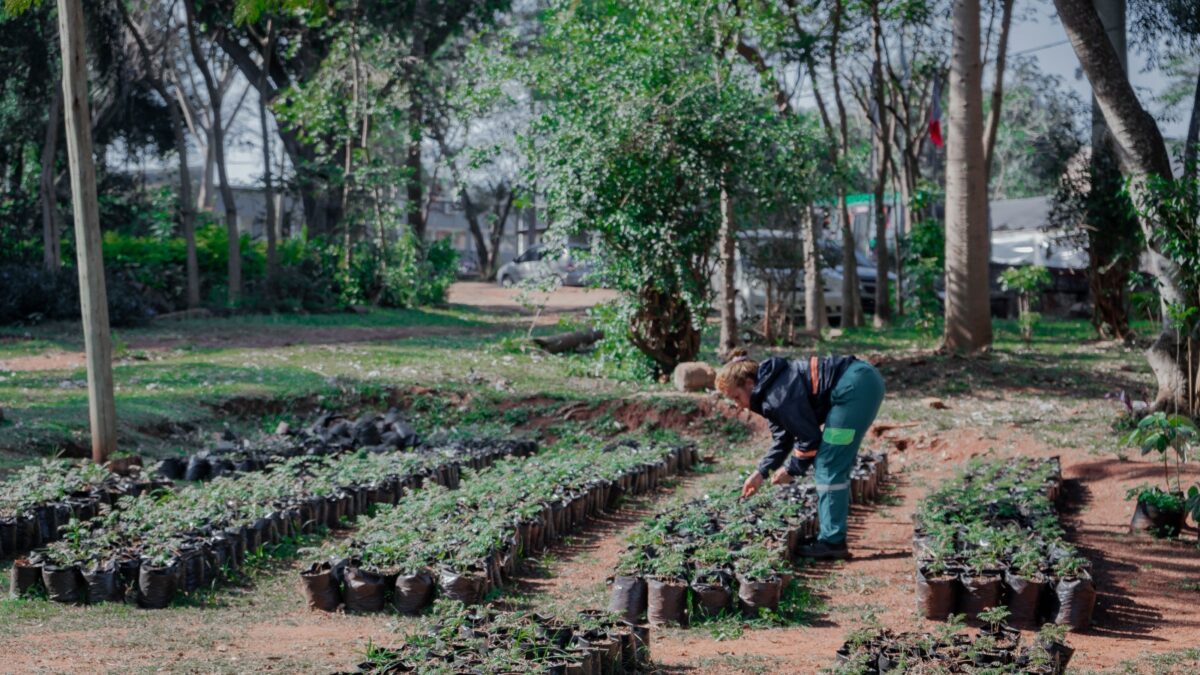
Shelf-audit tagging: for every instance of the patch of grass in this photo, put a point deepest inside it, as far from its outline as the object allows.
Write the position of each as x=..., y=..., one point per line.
x=753, y=664
x=798, y=606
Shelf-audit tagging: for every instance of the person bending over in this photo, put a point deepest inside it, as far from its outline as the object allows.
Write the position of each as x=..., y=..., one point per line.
x=818, y=410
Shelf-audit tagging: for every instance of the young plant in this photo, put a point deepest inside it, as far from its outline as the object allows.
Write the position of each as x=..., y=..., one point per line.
x=1166, y=435
x=1026, y=281
x=995, y=617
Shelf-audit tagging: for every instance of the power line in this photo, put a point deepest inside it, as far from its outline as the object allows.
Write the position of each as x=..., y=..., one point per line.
x=1114, y=29
x=1041, y=47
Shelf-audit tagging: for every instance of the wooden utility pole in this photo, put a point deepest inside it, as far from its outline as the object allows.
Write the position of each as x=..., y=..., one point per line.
x=92, y=295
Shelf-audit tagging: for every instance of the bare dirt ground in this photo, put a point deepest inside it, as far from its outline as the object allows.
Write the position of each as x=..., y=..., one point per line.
x=496, y=298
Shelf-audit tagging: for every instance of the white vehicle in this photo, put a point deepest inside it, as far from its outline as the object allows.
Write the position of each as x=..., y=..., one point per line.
x=540, y=262
x=776, y=257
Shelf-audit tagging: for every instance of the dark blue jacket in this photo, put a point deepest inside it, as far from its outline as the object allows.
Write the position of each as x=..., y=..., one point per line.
x=783, y=393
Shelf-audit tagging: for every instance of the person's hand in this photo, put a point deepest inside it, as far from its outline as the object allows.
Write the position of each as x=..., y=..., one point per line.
x=781, y=477
x=752, y=484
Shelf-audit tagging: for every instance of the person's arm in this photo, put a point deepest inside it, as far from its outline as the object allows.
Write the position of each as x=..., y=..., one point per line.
x=775, y=457
x=798, y=466
x=779, y=451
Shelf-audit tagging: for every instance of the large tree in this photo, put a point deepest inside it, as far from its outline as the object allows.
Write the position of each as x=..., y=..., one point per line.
x=968, y=325
x=159, y=73
x=1144, y=160
x=638, y=141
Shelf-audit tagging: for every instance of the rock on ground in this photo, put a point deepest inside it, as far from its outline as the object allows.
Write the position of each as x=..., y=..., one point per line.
x=694, y=376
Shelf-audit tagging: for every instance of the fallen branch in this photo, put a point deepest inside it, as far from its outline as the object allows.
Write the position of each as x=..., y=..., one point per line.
x=568, y=342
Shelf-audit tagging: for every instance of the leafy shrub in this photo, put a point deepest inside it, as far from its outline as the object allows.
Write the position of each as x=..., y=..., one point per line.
x=32, y=295
x=925, y=260
x=418, y=277
x=1026, y=281
x=615, y=356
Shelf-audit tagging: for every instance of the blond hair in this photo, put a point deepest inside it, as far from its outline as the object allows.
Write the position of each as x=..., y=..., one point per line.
x=739, y=369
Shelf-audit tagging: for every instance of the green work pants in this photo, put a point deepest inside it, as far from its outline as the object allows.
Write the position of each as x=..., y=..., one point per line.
x=856, y=398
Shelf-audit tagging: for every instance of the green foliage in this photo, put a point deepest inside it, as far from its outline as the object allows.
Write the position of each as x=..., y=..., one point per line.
x=924, y=252
x=1171, y=207
x=416, y=276
x=615, y=356
x=1026, y=281
x=645, y=126
x=1163, y=433
x=1153, y=495
x=1039, y=132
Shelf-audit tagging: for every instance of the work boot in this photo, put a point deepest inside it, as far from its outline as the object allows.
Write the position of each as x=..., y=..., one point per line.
x=821, y=550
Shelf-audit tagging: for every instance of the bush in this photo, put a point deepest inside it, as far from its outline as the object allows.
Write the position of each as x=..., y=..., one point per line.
x=418, y=277
x=33, y=294
x=615, y=356
x=147, y=275
x=411, y=277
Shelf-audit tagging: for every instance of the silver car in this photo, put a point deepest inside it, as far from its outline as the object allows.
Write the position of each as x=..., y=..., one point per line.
x=775, y=256
x=542, y=263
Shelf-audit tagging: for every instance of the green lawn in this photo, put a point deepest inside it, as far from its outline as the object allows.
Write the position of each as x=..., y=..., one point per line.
x=457, y=350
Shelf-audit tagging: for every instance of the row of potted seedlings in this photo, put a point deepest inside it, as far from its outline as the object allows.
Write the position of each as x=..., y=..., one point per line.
x=463, y=544
x=991, y=536
x=330, y=434
x=154, y=545
x=41, y=497
x=706, y=557
x=459, y=639
x=995, y=648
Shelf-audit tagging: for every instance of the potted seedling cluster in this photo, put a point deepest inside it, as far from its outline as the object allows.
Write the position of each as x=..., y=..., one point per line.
x=1161, y=509
x=991, y=537
x=149, y=547
x=460, y=639
x=718, y=554
x=463, y=544
x=41, y=498
x=995, y=648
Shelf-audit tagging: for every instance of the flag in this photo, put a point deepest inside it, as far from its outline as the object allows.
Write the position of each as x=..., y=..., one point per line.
x=935, y=115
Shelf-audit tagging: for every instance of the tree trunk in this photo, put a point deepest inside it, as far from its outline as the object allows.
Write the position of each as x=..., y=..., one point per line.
x=218, y=148
x=968, y=326
x=51, y=227
x=414, y=186
x=1108, y=273
x=1192, y=144
x=176, y=112
x=852, y=314
x=187, y=208
x=483, y=252
x=1143, y=154
x=815, y=316
x=497, y=232
x=728, y=243
x=205, y=195
x=231, y=223
x=268, y=194
x=883, y=311
x=993, y=121
x=92, y=293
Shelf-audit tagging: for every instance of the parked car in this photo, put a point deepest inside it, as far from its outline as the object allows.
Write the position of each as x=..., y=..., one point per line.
x=831, y=252
x=540, y=262
x=776, y=255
